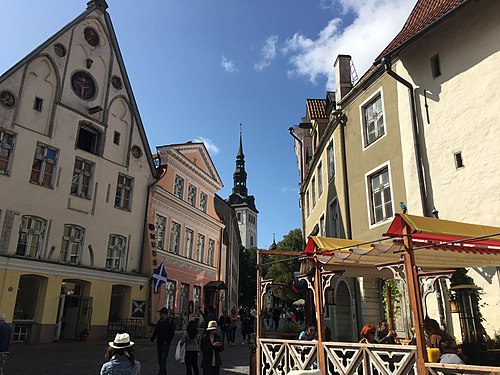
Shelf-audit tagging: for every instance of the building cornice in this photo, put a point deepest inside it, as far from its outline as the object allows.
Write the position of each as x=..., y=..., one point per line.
x=37, y=266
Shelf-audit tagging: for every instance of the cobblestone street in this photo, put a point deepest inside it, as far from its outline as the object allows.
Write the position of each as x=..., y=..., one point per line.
x=87, y=357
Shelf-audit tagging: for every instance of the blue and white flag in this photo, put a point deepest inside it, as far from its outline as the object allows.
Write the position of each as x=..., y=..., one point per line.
x=159, y=277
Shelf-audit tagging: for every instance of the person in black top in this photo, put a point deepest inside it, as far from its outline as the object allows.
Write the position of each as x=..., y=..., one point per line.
x=276, y=318
x=225, y=326
x=385, y=336
x=211, y=346
x=164, y=333
x=246, y=326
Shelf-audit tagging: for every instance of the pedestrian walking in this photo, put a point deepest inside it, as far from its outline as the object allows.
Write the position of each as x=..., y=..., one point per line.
x=276, y=318
x=120, y=356
x=163, y=333
x=225, y=326
x=191, y=342
x=234, y=324
x=246, y=326
x=211, y=346
x=5, y=341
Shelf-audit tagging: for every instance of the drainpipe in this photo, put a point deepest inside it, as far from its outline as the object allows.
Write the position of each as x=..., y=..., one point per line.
x=301, y=193
x=416, y=144
x=341, y=118
x=157, y=178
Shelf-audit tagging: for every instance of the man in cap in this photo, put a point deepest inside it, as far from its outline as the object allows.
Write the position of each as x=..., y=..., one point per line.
x=163, y=333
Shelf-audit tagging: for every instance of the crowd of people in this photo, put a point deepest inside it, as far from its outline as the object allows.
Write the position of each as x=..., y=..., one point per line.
x=441, y=347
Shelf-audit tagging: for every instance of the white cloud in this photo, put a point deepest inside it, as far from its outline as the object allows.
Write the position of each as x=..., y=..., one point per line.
x=287, y=189
x=211, y=147
x=268, y=53
x=228, y=65
x=374, y=25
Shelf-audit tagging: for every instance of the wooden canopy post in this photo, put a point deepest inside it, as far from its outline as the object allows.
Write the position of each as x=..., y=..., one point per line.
x=318, y=299
x=258, y=331
x=415, y=299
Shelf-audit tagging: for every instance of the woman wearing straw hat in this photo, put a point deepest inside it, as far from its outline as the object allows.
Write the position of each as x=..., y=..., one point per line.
x=211, y=346
x=120, y=356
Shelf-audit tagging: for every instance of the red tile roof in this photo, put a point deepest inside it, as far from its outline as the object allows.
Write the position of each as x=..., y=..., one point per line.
x=424, y=14
x=316, y=108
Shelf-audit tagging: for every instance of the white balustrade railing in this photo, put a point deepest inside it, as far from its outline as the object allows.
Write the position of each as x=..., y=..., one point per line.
x=278, y=357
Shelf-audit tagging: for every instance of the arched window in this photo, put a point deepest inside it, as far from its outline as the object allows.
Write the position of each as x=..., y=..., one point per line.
x=27, y=298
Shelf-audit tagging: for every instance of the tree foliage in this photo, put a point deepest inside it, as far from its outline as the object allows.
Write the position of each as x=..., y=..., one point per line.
x=248, y=276
x=281, y=268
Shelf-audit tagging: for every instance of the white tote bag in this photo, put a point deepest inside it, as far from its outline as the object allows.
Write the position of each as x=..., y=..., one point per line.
x=180, y=352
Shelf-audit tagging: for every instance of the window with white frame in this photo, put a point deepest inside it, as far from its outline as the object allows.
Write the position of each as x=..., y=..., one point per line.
x=189, y=243
x=203, y=202
x=175, y=236
x=380, y=196
x=170, y=295
x=192, y=195
x=179, y=187
x=333, y=213
x=211, y=251
x=184, y=298
x=322, y=226
x=161, y=228
x=313, y=191
x=200, y=248
x=320, y=178
x=31, y=236
x=83, y=173
x=330, y=160
x=116, y=252
x=123, y=196
x=72, y=244
x=196, y=298
x=44, y=165
x=7, y=141
x=373, y=120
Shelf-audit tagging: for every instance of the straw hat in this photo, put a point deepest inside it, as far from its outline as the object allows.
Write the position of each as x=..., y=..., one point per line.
x=122, y=341
x=212, y=325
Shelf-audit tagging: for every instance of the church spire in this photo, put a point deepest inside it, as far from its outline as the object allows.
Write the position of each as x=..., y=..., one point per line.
x=239, y=175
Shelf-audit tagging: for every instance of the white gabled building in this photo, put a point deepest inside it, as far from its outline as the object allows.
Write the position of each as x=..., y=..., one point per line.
x=449, y=54
x=75, y=167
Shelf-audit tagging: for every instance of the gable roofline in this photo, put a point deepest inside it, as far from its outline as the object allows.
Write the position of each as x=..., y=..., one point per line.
x=96, y=6
x=130, y=92
x=200, y=146
x=426, y=15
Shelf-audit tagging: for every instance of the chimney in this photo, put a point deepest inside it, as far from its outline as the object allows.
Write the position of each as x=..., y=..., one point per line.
x=343, y=76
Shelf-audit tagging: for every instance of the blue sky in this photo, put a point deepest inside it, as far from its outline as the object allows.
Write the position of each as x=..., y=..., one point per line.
x=199, y=68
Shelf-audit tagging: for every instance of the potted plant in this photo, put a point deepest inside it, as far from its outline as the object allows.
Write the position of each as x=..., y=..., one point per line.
x=251, y=344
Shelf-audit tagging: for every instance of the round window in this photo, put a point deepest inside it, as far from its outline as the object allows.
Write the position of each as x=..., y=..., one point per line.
x=83, y=85
x=91, y=36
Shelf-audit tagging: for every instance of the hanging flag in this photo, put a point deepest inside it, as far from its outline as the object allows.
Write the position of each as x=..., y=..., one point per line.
x=159, y=277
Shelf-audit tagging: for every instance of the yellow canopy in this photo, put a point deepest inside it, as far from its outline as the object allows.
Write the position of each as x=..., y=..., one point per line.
x=437, y=244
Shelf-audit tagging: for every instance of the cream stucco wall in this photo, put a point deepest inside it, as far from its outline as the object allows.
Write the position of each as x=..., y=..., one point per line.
x=363, y=161
x=462, y=116
x=47, y=75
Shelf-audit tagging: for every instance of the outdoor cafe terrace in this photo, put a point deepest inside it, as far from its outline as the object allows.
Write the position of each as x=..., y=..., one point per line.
x=410, y=254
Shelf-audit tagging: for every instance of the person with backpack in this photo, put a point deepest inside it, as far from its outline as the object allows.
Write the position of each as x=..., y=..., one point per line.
x=163, y=333
x=225, y=326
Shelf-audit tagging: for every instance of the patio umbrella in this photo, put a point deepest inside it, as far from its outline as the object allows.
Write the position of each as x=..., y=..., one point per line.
x=299, y=302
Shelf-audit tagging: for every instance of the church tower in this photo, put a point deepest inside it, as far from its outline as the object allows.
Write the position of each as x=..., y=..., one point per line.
x=243, y=204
